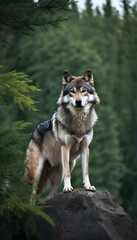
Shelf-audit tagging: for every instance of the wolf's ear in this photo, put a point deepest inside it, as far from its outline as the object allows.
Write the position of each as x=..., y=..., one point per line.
x=67, y=77
x=88, y=77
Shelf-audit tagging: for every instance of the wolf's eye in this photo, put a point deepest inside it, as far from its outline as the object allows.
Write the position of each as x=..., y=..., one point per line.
x=72, y=91
x=84, y=90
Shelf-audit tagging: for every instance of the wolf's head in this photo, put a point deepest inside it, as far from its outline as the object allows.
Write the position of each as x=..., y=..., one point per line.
x=78, y=91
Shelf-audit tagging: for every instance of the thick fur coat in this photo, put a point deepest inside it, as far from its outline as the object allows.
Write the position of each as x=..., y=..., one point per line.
x=57, y=143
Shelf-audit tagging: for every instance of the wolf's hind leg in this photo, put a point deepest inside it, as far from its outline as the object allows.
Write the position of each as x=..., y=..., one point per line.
x=47, y=168
x=35, y=162
x=55, y=177
x=37, y=179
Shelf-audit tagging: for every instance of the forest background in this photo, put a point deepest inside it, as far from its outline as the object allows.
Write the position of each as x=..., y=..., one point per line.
x=104, y=41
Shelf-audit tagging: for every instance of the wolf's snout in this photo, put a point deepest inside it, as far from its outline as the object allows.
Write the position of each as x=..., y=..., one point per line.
x=78, y=102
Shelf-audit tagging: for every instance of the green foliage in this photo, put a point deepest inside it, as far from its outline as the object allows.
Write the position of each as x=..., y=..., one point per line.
x=14, y=86
x=14, y=191
x=23, y=17
x=18, y=219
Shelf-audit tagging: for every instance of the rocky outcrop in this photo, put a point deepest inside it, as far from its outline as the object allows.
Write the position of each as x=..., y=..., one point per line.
x=83, y=215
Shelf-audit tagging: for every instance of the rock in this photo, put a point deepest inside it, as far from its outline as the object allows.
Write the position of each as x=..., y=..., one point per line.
x=83, y=215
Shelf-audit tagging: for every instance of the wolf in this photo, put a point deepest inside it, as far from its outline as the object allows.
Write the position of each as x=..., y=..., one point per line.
x=56, y=144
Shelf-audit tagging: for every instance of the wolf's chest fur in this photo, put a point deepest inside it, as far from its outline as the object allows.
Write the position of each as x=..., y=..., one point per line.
x=77, y=122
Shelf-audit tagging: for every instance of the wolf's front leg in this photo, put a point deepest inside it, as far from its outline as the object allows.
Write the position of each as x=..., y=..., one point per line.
x=84, y=161
x=66, y=169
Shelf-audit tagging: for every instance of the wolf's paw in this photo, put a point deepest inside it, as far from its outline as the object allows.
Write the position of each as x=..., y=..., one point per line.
x=90, y=188
x=68, y=189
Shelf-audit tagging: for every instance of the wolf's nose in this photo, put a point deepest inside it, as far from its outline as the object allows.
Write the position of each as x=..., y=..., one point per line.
x=78, y=102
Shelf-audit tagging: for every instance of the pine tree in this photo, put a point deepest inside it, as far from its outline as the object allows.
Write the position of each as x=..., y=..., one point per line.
x=108, y=8
x=24, y=17
x=14, y=192
x=126, y=7
x=97, y=11
x=74, y=9
x=89, y=6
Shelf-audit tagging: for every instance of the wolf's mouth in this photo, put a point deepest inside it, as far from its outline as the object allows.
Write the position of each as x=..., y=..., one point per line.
x=78, y=106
